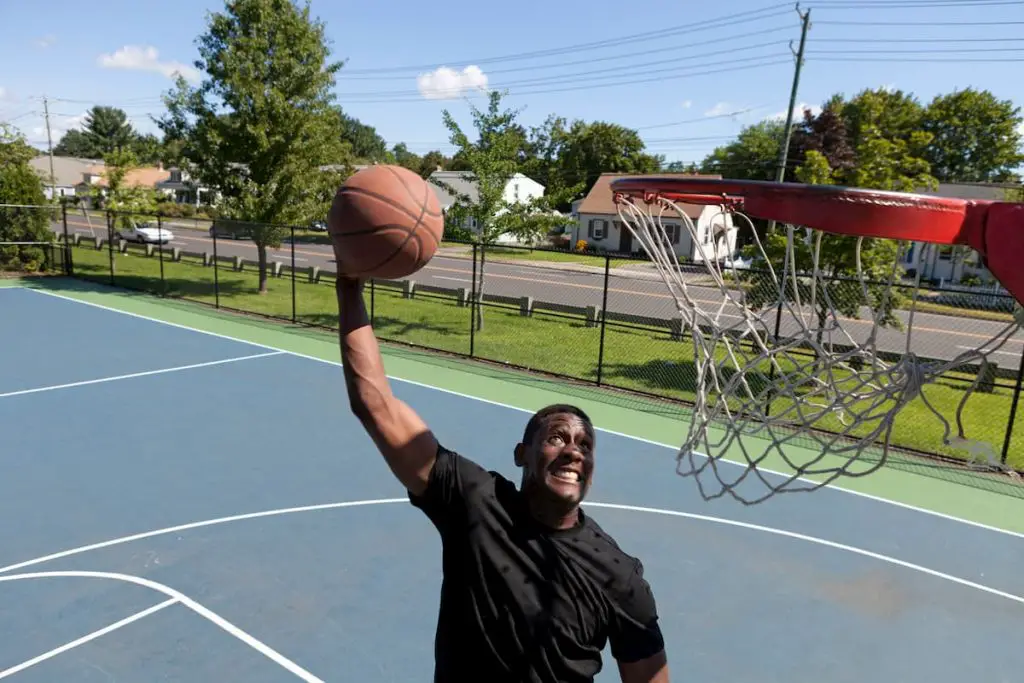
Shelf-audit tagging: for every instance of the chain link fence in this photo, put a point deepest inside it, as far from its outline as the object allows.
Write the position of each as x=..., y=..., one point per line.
x=601, y=320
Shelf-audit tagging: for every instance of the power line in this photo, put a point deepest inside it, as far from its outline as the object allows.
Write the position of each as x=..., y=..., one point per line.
x=342, y=75
x=732, y=19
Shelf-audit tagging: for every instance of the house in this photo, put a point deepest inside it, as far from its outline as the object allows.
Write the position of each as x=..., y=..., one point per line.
x=943, y=263
x=67, y=173
x=519, y=188
x=180, y=187
x=600, y=226
x=95, y=177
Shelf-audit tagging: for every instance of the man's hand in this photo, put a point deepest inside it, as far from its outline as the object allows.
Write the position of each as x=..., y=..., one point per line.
x=405, y=441
x=654, y=669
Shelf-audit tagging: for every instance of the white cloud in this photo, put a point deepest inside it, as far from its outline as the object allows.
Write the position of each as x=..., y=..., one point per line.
x=445, y=83
x=798, y=112
x=4, y=95
x=719, y=109
x=687, y=104
x=46, y=41
x=146, y=58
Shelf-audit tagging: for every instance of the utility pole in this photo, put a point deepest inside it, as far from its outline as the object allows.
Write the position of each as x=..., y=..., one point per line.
x=49, y=145
x=780, y=172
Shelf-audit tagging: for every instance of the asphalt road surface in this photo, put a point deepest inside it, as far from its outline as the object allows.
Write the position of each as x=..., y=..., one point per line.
x=638, y=293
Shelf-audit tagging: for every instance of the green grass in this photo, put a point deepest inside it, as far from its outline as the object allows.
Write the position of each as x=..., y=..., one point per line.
x=645, y=360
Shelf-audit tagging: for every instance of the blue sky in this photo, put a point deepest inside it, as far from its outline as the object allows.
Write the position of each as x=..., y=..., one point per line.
x=714, y=59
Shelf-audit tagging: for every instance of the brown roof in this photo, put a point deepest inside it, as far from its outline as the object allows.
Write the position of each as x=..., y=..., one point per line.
x=147, y=176
x=600, y=201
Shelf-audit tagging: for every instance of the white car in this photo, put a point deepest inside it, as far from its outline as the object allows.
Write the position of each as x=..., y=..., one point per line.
x=146, y=233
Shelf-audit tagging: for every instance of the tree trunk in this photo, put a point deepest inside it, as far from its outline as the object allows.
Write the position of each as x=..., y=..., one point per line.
x=261, y=251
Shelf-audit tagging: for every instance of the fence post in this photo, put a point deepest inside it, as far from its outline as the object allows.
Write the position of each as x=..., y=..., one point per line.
x=160, y=249
x=69, y=267
x=373, y=312
x=216, y=270
x=472, y=306
x=110, y=243
x=604, y=316
x=1013, y=411
x=293, y=277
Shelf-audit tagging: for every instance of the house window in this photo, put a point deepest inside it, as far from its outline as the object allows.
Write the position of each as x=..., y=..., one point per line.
x=672, y=230
x=945, y=252
x=597, y=229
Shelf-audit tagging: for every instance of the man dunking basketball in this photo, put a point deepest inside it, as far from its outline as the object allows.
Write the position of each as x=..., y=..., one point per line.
x=533, y=588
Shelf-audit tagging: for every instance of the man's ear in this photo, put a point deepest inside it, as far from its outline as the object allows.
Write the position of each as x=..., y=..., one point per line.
x=520, y=452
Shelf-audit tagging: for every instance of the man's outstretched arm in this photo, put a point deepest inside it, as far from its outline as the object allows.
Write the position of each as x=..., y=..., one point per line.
x=405, y=441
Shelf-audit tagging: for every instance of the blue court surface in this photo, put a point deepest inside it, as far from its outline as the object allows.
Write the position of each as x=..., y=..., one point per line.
x=179, y=506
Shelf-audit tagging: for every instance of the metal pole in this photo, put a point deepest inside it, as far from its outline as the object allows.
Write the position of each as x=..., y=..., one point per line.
x=160, y=248
x=69, y=267
x=1013, y=411
x=604, y=316
x=110, y=243
x=472, y=306
x=293, y=276
x=216, y=278
x=372, y=302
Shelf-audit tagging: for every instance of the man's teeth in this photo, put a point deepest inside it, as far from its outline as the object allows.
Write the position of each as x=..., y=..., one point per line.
x=567, y=475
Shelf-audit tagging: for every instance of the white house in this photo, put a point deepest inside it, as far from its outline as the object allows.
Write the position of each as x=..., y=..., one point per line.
x=601, y=227
x=518, y=189
x=180, y=187
x=944, y=263
x=68, y=173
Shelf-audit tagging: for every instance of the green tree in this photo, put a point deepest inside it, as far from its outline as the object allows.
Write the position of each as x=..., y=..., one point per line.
x=492, y=160
x=367, y=145
x=753, y=155
x=128, y=203
x=975, y=137
x=586, y=150
x=20, y=185
x=262, y=127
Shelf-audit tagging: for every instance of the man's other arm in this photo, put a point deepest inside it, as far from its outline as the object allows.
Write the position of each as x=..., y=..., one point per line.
x=653, y=669
x=405, y=441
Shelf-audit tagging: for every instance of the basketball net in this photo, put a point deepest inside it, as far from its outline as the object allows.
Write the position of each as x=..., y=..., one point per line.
x=815, y=398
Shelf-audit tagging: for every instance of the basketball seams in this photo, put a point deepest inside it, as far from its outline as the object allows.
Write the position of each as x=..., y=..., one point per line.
x=408, y=190
x=376, y=230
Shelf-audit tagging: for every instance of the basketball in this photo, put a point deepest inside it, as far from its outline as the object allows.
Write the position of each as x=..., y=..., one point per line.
x=385, y=222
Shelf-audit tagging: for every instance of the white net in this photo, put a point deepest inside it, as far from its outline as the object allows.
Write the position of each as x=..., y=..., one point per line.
x=791, y=384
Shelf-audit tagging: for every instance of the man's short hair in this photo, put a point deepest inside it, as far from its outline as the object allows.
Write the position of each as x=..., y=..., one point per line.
x=538, y=419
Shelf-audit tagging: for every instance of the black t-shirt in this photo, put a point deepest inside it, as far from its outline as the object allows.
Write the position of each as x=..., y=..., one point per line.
x=526, y=603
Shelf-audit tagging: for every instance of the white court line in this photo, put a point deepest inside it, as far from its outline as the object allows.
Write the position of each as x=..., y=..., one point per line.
x=178, y=596
x=22, y=392
x=445, y=277
x=86, y=638
x=385, y=501
x=640, y=439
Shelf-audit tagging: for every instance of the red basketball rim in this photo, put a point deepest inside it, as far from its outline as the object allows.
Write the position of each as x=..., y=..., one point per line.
x=831, y=208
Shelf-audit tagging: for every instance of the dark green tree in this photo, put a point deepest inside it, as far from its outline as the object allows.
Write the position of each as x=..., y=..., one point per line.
x=975, y=137
x=21, y=187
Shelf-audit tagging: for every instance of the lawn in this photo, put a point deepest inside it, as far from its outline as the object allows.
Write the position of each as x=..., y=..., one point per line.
x=633, y=358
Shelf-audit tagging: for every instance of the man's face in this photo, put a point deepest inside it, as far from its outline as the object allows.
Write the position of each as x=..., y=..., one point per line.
x=560, y=461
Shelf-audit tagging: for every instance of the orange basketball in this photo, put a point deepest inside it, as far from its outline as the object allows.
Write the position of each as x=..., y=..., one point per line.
x=385, y=222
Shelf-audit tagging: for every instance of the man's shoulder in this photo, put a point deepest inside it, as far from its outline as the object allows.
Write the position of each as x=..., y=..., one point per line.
x=624, y=571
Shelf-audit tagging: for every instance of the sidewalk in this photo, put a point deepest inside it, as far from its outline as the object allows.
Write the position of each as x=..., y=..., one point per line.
x=639, y=271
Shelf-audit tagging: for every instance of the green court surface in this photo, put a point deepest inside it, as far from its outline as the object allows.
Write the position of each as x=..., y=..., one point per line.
x=916, y=483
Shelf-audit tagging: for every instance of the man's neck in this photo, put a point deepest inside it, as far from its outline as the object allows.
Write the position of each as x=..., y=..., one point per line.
x=550, y=516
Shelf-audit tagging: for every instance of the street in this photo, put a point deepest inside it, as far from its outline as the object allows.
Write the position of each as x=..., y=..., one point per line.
x=643, y=294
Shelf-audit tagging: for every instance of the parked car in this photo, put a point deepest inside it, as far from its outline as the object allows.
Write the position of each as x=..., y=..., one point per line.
x=236, y=230
x=146, y=233
x=318, y=226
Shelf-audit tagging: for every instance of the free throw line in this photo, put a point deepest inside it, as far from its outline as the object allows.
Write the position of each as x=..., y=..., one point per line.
x=146, y=373
x=86, y=638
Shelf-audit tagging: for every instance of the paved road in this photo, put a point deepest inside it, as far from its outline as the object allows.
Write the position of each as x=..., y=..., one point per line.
x=935, y=336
